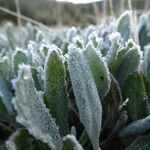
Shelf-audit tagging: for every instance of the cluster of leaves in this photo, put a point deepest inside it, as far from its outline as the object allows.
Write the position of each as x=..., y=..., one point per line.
x=75, y=89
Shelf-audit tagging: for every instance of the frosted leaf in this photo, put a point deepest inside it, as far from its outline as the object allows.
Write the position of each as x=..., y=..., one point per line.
x=10, y=143
x=22, y=140
x=103, y=47
x=71, y=143
x=86, y=33
x=129, y=64
x=44, y=49
x=147, y=60
x=99, y=70
x=124, y=25
x=129, y=44
x=86, y=94
x=54, y=47
x=55, y=90
x=78, y=41
x=39, y=36
x=4, y=43
x=144, y=29
x=32, y=112
x=71, y=33
x=33, y=55
x=5, y=67
x=26, y=75
x=4, y=87
x=115, y=39
x=136, y=128
x=9, y=28
x=31, y=30
x=94, y=39
x=58, y=41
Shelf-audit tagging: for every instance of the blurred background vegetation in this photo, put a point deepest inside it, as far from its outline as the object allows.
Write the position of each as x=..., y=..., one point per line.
x=54, y=13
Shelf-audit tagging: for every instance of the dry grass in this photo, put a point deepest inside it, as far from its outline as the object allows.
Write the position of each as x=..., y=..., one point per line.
x=18, y=12
x=111, y=7
x=27, y=19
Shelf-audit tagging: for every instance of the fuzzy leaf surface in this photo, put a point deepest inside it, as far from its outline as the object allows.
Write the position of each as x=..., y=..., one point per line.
x=99, y=70
x=129, y=64
x=32, y=112
x=55, y=90
x=124, y=25
x=86, y=94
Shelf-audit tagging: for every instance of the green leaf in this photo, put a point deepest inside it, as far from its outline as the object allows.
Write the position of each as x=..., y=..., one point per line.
x=99, y=70
x=35, y=75
x=116, y=63
x=22, y=140
x=134, y=89
x=71, y=143
x=32, y=112
x=136, y=128
x=55, y=90
x=129, y=64
x=19, y=57
x=65, y=47
x=118, y=54
x=124, y=25
x=140, y=143
x=86, y=94
x=147, y=86
x=84, y=137
x=19, y=140
x=114, y=48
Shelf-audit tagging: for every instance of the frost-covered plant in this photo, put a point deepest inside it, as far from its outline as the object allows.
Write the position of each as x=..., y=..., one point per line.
x=75, y=89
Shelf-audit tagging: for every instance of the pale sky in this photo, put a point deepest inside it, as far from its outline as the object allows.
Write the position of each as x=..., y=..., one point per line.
x=80, y=1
